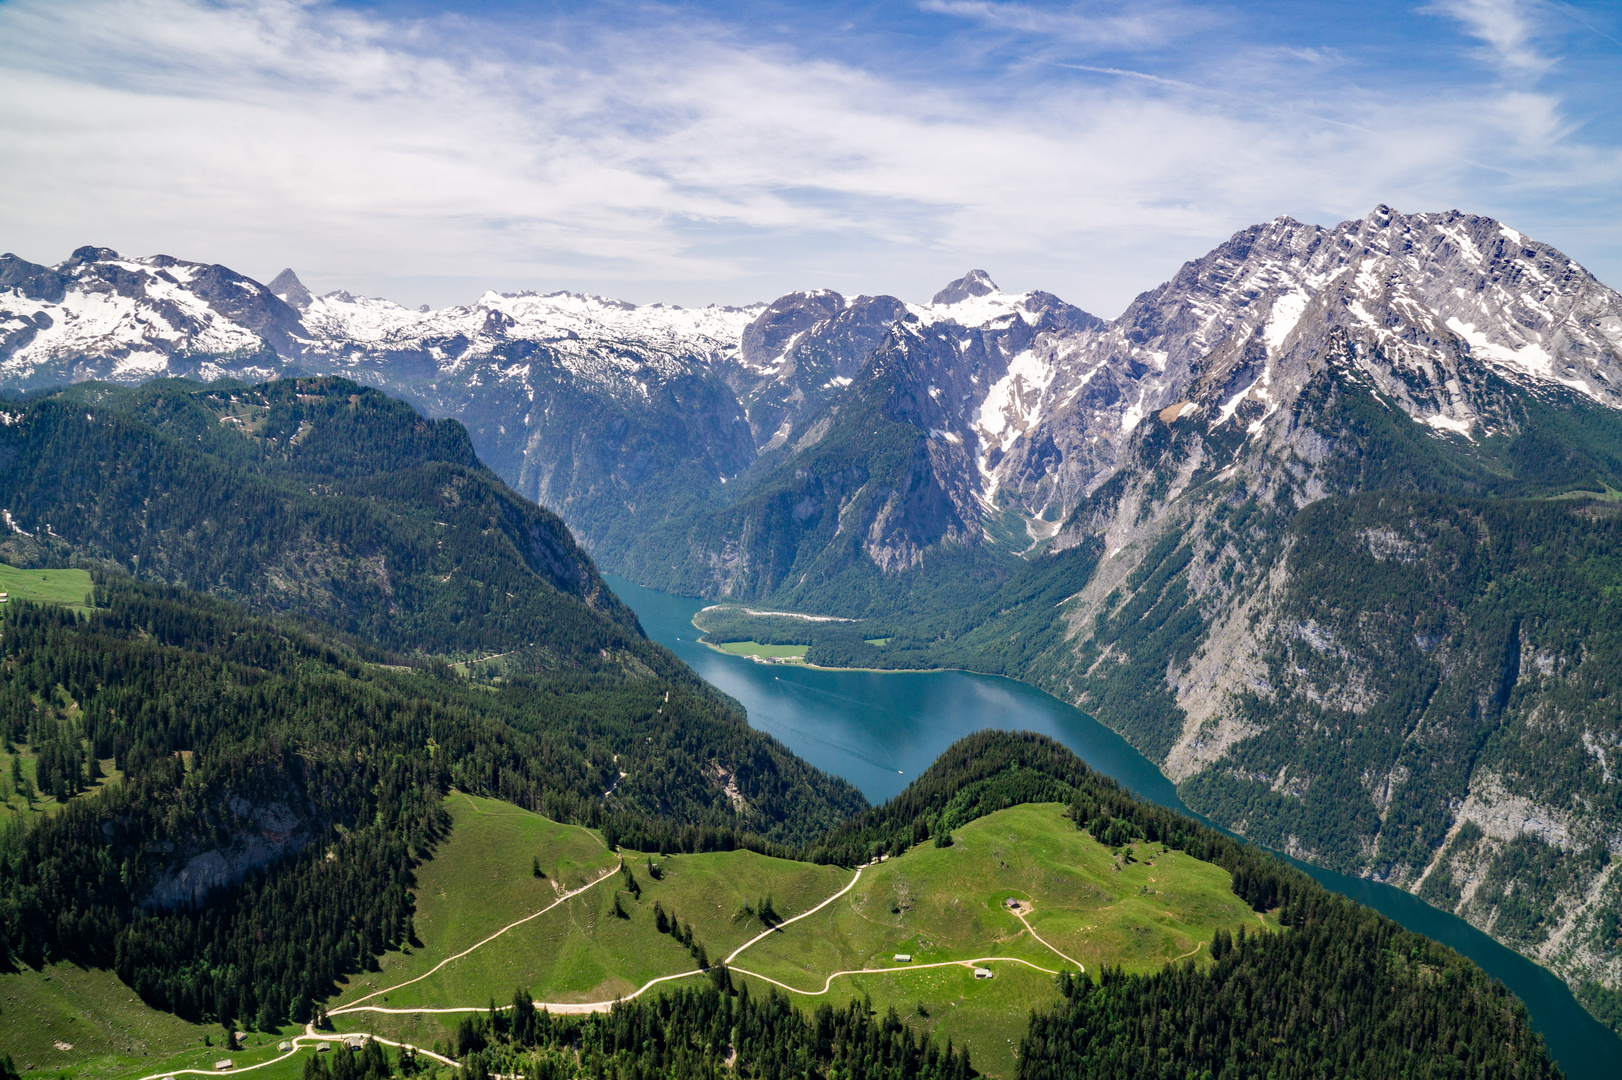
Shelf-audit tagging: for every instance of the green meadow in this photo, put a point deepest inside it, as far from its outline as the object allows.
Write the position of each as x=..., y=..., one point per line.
x=69, y=587
x=1141, y=907
x=482, y=879
x=755, y=648
x=62, y=1017
x=66, y=1021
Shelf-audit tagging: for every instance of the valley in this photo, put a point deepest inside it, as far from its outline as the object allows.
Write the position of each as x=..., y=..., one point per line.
x=939, y=540
x=882, y=729
x=1322, y=527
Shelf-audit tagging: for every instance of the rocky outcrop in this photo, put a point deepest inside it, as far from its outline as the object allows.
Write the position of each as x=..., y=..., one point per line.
x=258, y=831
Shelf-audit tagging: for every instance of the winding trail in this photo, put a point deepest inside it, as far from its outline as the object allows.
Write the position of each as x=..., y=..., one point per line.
x=566, y=1007
x=1020, y=915
x=826, y=983
x=298, y=1044
x=1197, y=947
x=770, y=930
x=586, y=1006
x=355, y=1006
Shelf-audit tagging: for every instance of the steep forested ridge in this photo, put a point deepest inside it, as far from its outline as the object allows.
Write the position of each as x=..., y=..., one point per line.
x=312, y=497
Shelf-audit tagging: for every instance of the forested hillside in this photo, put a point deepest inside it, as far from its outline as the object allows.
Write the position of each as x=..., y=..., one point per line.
x=280, y=775
x=1341, y=992
x=312, y=497
x=273, y=790
x=1345, y=992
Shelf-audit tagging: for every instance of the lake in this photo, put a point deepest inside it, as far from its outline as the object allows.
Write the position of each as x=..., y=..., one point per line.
x=879, y=730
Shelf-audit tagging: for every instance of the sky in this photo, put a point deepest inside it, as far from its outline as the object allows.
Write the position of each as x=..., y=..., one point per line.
x=731, y=152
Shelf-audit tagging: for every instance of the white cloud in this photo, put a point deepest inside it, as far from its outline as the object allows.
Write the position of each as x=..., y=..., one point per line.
x=671, y=161
x=1095, y=25
x=1507, y=28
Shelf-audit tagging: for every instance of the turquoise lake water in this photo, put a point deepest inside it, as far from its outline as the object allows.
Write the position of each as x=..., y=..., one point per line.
x=879, y=730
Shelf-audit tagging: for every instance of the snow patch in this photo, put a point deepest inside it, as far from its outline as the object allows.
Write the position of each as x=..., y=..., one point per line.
x=975, y=311
x=1013, y=404
x=1231, y=405
x=1282, y=320
x=1530, y=359
x=1448, y=423
x=1134, y=416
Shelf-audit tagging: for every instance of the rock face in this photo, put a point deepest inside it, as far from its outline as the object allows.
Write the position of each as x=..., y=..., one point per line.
x=1320, y=496
x=257, y=833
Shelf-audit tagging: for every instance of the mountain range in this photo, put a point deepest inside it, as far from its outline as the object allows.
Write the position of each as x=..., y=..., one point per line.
x=1326, y=525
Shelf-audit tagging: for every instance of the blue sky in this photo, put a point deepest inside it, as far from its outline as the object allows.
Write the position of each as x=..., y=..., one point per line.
x=729, y=152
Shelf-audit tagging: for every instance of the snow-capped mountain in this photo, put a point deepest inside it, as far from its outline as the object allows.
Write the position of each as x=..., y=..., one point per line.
x=1031, y=401
x=1429, y=304
x=1279, y=523
x=98, y=315
x=592, y=337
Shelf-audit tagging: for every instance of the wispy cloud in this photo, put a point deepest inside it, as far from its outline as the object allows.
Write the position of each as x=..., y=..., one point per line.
x=675, y=159
x=1508, y=29
x=1117, y=26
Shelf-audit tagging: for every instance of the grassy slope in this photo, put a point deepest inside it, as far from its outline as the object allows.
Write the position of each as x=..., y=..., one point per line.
x=755, y=648
x=936, y=903
x=68, y=587
x=481, y=880
x=112, y=1034
x=948, y=904
x=108, y=1027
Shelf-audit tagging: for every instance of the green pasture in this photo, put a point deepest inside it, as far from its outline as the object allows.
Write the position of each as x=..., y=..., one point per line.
x=66, y=1021
x=1140, y=907
x=986, y=1015
x=68, y=587
x=755, y=648
x=481, y=879
x=108, y=1030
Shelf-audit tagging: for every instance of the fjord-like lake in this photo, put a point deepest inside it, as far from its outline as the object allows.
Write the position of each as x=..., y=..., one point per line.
x=879, y=730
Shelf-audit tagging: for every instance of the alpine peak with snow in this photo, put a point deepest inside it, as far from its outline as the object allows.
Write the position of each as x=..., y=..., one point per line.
x=1270, y=523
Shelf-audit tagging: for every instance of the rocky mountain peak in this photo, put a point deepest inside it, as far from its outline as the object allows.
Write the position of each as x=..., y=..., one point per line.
x=767, y=338
x=89, y=254
x=287, y=286
x=974, y=283
x=31, y=280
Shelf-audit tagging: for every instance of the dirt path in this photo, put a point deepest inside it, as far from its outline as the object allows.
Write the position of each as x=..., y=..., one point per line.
x=563, y=1007
x=826, y=983
x=775, y=929
x=298, y=1044
x=1020, y=915
x=354, y=1006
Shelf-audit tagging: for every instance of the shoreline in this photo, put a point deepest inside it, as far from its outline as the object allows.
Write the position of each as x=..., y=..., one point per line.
x=875, y=670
